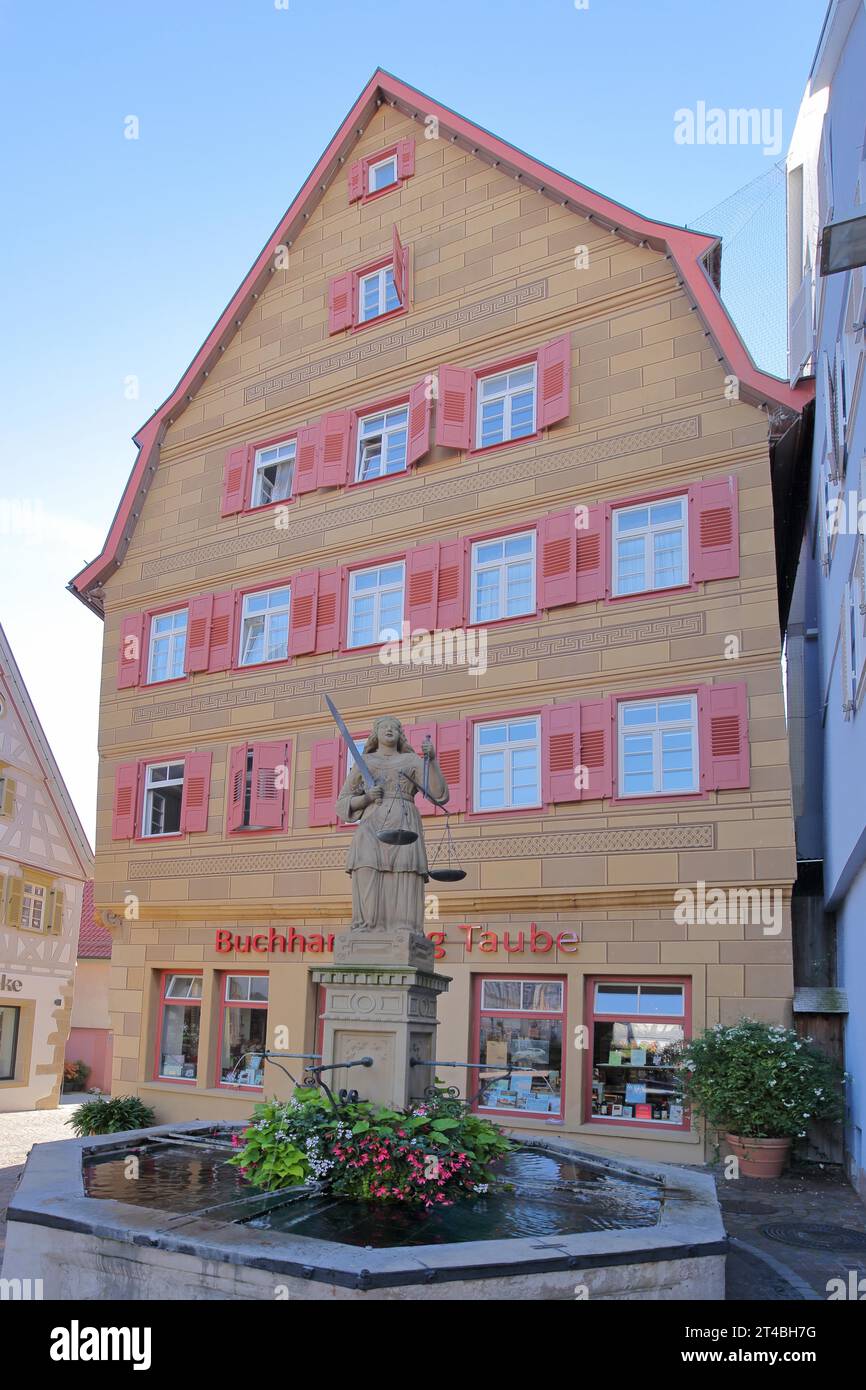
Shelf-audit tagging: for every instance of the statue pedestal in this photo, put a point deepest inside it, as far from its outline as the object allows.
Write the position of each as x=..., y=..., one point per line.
x=381, y=1003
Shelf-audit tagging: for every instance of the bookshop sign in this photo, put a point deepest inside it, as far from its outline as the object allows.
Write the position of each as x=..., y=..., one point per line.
x=513, y=941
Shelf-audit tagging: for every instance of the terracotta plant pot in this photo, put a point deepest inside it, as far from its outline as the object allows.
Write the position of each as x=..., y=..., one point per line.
x=759, y=1158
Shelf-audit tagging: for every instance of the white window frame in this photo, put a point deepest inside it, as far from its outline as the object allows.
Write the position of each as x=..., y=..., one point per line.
x=377, y=593
x=152, y=789
x=507, y=394
x=34, y=896
x=502, y=565
x=380, y=164
x=505, y=747
x=381, y=276
x=390, y=427
x=521, y=1008
x=268, y=614
x=647, y=534
x=175, y=637
x=655, y=728
x=284, y=458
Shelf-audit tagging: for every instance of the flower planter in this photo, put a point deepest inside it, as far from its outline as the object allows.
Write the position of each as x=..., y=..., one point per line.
x=759, y=1158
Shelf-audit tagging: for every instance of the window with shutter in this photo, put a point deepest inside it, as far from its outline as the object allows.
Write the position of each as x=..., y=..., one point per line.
x=724, y=736
x=649, y=545
x=502, y=577
x=125, y=808
x=714, y=529
x=333, y=460
x=382, y=172
x=597, y=736
x=131, y=640
x=422, y=587
x=221, y=647
x=196, y=792
x=198, y=632
x=166, y=646
x=324, y=778
x=7, y=795
x=269, y=777
x=55, y=911
x=507, y=761
x=560, y=726
x=236, y=476
x=452, y=748
x=658, y=746
x=13, y=899
x=451, y=606
x=590, y=543
x=557, y=568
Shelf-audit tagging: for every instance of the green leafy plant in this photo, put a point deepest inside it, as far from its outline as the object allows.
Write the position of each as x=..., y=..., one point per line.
x=432, y=1155
x=111, y=1116
x=758, y=1080
x=75, y=1075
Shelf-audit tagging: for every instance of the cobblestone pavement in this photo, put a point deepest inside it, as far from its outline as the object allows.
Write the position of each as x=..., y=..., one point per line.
x=19, y=1131
x=761, y=1268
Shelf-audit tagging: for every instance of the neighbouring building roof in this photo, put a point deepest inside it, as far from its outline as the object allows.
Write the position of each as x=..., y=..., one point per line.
x=694, y=256
x=94, y=941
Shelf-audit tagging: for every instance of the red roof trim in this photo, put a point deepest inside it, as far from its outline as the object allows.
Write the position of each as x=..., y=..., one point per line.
x=688, y=251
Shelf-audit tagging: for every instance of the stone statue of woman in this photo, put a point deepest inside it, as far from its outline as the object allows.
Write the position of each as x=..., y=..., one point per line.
x=388, y=880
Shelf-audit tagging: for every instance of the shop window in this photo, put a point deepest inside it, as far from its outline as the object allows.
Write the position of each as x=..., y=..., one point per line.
x=658, y=746
x=519, y=1044
x=382, y=444
x=167, y=646
x=503, y=577
x=264, y=627
x=633, y=1026
x=10, y=1017
x=163, y=798
x=650, y=548
x=243, y=1029
x=376, y=604
x=273, y=473
x=179, y=1027
x=507, y=771
x=506, y=406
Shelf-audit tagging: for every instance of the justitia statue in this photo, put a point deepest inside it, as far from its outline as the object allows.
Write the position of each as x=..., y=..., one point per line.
x=388, y=879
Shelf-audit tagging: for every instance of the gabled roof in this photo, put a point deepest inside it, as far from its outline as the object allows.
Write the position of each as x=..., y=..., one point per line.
x=694, y=256
x=94, y=941
x=35, y=735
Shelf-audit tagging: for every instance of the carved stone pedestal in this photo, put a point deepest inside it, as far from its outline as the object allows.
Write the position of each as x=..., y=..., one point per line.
x=381, y=1003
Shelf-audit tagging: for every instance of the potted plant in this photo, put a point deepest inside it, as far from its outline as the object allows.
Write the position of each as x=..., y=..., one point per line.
x=759, y=1084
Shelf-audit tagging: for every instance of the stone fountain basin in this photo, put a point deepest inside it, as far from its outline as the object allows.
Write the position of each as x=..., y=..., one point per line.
x=87, y=1249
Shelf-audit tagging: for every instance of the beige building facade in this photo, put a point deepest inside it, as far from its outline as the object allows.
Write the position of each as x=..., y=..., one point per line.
x=458, y=394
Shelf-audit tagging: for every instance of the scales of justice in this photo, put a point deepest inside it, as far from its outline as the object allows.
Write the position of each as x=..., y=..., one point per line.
x=382, y=987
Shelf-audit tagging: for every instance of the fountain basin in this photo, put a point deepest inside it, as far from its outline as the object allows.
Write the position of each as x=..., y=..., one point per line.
x=222, y=1241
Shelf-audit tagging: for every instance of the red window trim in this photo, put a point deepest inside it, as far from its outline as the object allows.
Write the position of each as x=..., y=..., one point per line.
x=357, y=276
x=479, y=374
x=590, y=1018
x=359, y=413
x=515, y=529
x=633, y=697
x=477, y=980
x=148, y=615
x=222, y=976
x=163, y=1002
x=621, y=504
x=138, y=838
x=254, y=448
x=534, y=712
x=246, y=832
x=368, y=161
x=237, y=625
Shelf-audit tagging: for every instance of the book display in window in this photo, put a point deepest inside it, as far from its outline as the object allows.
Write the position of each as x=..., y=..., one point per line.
x=633, y=1036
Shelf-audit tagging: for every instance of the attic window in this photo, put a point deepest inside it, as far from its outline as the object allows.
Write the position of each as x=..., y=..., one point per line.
x=382, y=175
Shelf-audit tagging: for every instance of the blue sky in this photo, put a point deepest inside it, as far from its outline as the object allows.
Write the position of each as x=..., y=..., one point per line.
x=119, y=254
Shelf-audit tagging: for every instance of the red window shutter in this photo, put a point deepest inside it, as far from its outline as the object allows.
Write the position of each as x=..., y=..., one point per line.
x=416, y=734
x=340, y=302
x=131, y=638
x=400, y=265
x=125, y=808
x=333, y=462
x=556, y=561
x=236, y=786
x=196, y=792
x=328, y=610
x=302, y=619
x=198, y=632
x=307, y=458
x=422, y=579
x=405, y=158
x=724, y=736
x=454, y=412
x=714, y=529
x=591, y=555
x=324, y=779
x=418, y=441
x=236, y=479
x=451, y=609
x=356, y=180
x=222, y=632
x=596, y=747
x=554, y=381
x=560, y=734
x=452, y=748
x=269, y=793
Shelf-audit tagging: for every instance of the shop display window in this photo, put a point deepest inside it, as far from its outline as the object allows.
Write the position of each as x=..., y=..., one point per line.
x=519, y=1045
x=243, y=1029
x=179, y=1027
x=634, y=1026
x=9, y=1018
